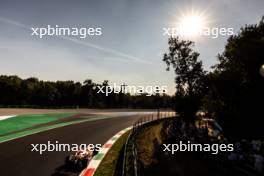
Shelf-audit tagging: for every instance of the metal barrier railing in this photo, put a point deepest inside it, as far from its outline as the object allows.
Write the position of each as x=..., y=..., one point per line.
x=131, y=138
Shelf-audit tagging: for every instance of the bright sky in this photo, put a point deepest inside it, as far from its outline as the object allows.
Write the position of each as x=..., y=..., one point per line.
x=132, y=42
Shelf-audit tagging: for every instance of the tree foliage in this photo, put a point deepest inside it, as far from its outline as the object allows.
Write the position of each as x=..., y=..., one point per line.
x=189, y=76
x=236, y=85
x=32, y=92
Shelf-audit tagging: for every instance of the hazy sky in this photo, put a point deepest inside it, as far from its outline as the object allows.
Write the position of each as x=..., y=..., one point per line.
x=130, y=48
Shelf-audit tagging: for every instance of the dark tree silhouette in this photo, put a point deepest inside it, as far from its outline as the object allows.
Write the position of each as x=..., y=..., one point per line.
x=189, y=76
x=34, y=93
x=236, y=85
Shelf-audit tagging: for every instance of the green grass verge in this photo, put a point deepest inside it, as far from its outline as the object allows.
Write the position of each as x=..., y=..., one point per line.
x=111, y=160
x=156, y=162
x=37, y=130
x=21, y=122
x=46, y=128
x=146, y=149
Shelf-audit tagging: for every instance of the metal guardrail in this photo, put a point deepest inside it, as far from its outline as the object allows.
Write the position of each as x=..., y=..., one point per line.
x=124, y=156
x=136, y=127
x=248, y=170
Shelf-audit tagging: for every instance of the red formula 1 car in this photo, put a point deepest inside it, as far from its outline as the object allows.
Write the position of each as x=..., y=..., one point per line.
x=79, y=160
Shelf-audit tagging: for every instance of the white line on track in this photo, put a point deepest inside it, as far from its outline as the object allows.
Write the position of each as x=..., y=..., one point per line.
x=6, y=117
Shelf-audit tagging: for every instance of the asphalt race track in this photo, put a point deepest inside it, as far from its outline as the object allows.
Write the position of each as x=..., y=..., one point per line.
x=17, y=159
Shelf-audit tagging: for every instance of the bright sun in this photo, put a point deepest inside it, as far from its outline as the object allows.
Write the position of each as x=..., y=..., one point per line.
x=191, y=25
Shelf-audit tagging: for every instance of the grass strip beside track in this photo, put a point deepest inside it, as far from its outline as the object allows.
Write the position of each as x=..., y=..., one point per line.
x=21, y=122
x=110, y=162
x=46, y=128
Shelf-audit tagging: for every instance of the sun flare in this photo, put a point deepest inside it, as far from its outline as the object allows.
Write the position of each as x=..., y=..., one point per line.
x=191, y=24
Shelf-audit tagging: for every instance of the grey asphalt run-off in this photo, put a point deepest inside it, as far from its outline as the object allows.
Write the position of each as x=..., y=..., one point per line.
x=16, y=157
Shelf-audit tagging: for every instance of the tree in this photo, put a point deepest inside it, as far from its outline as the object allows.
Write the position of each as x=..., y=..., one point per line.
x=189, y=76
x=236, y=82
x=9, y=90
x=31, y=92
x=87, y=94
